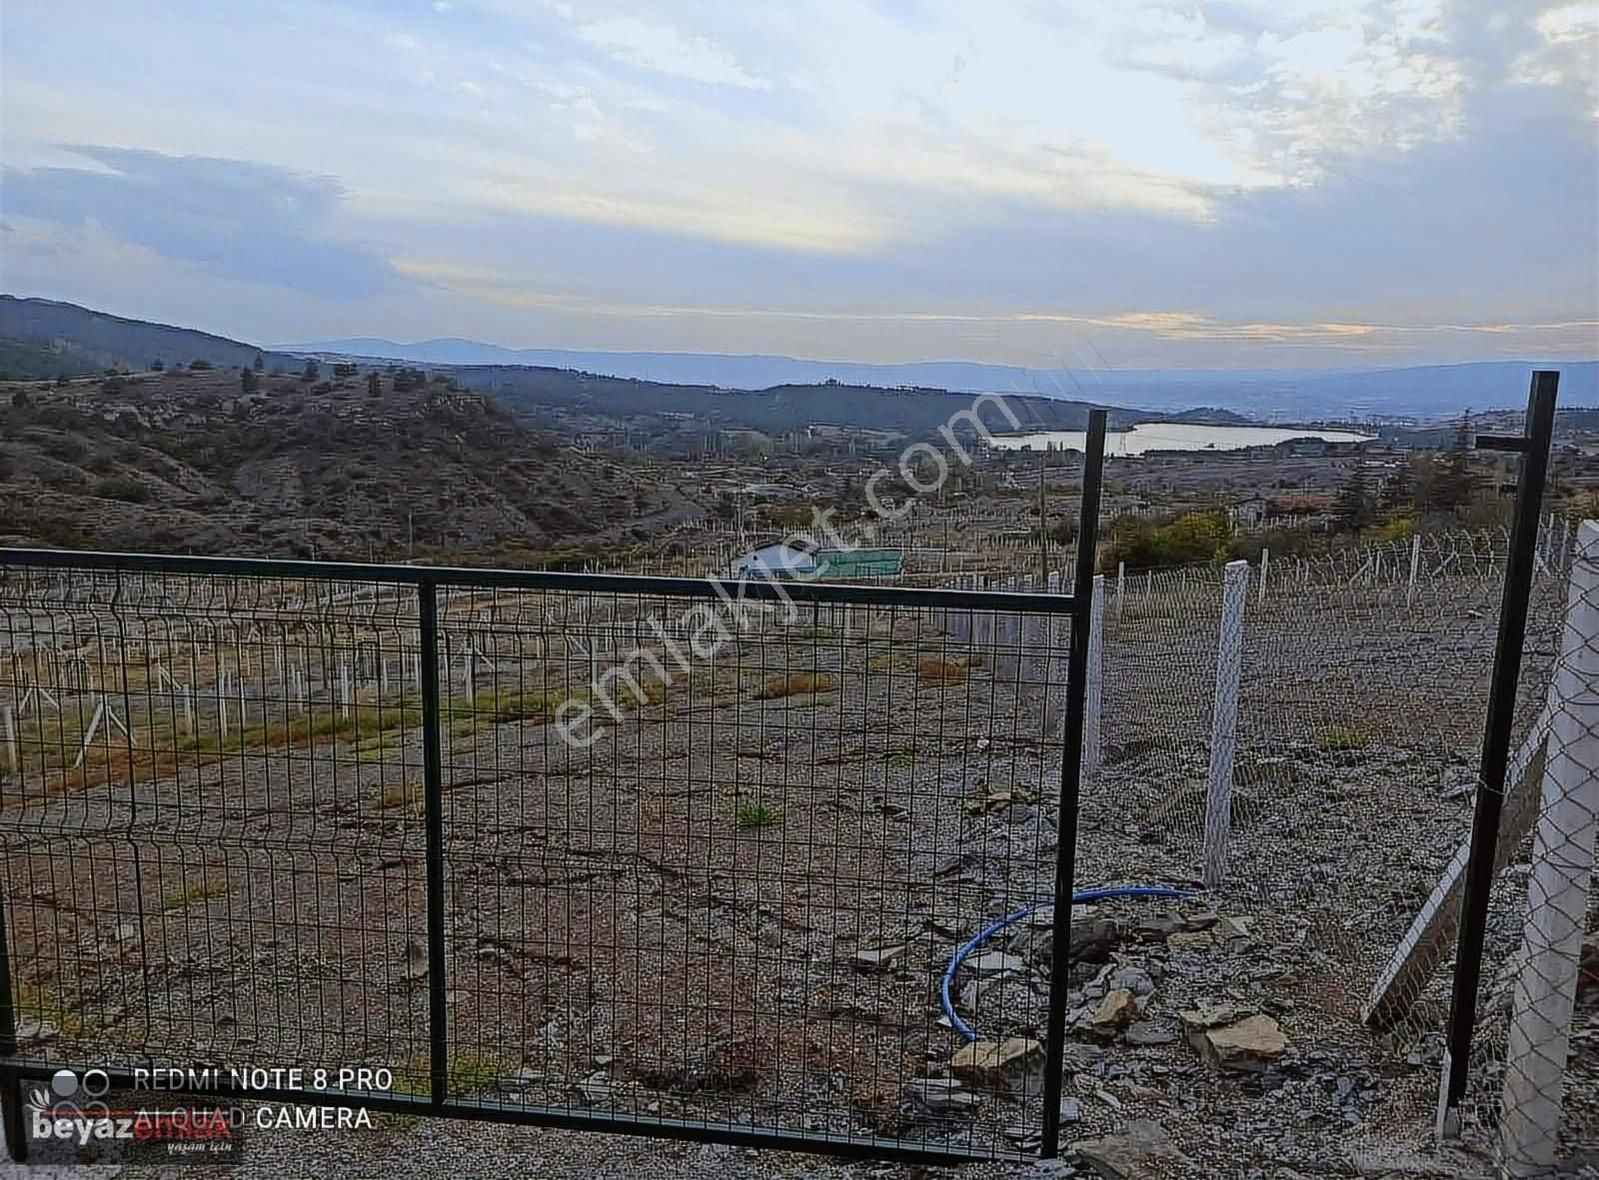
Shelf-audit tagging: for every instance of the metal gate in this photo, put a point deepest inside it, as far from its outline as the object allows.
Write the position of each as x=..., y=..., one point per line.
x=653, y=855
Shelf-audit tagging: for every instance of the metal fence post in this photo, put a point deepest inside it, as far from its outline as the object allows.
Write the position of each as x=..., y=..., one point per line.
x=1071, y=783
x=1557, y=890
x=10, y=1086
x=433, y=799
x=1533, y=445
x=1224, y=722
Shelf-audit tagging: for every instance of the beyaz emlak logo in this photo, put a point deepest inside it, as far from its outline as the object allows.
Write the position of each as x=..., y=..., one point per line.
x=74, y=1112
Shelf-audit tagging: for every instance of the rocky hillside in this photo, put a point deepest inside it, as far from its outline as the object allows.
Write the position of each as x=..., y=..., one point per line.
x=187, y=461
x=42, y=338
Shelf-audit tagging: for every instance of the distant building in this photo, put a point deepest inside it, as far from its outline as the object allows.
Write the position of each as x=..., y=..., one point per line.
x=779, y=560
x=1250, y=513
x=774, y=561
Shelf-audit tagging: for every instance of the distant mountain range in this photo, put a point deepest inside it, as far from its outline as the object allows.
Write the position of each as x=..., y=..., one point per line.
x=45, y=338
x=1421, y=391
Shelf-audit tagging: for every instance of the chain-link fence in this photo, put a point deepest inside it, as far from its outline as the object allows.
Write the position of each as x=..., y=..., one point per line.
x=1305, y=745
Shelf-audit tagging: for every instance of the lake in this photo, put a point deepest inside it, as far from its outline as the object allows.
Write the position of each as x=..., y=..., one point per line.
x=1172, y=436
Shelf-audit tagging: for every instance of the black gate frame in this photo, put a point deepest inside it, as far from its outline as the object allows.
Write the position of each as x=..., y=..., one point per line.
x=427, y=580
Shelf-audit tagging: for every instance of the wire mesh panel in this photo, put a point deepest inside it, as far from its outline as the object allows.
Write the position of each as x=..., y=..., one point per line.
x=691, y=860
x=204, y=856
x=710, y=866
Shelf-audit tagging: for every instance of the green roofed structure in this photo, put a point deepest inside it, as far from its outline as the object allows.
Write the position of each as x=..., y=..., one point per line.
x=834, y=564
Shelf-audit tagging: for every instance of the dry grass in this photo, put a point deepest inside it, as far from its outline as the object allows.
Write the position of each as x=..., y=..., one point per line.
x=935, y=671
x=468, y=1072
x=796, y=684
x=401, y=795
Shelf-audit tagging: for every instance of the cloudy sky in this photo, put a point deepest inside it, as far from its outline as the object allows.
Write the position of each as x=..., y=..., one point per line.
x=1196, y=184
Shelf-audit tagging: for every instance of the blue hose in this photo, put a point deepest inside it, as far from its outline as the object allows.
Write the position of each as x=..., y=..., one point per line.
x=1080, y=898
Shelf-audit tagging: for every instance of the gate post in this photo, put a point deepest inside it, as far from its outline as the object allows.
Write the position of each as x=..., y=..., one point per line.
x=10, y=1084
x=1533, y=445
x=433, y=800
x=1071, y=766
x=1224, y=722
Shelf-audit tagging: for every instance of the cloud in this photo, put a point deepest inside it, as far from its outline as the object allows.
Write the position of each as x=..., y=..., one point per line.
x=663, y=49
x=229, y=217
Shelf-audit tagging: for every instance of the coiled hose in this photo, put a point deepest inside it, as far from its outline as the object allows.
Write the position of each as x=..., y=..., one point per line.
x=1082, y=897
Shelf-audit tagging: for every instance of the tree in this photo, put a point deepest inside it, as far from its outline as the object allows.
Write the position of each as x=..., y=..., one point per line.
x=249, y=381
x=1355, y=510
x=1453, y=482
x=311, y=371
x=199, y=365
x=374, y=384
x=259, y=363
x=1399, y=490
x=157, y=365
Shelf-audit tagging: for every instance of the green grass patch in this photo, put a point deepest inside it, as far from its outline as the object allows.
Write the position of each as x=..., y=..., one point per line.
x=1339, y=739
x=200, y=891
x=33, y=1003
x=753, y=813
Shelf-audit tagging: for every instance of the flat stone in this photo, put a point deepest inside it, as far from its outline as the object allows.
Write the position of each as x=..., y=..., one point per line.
x=997, y=1063
x=939, y=1095
x=1150, y=1032
x=1134, y=979
x=1093, y=940
x=1160, y=926
x=1116, y=1011
x=993, y=962
x=1190, y=940
x=1208, y=1016
x=1143, y=1151
x=880, y=959
x=1248, y=1046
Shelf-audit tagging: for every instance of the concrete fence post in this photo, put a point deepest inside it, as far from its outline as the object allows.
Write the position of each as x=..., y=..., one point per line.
x=1558, y=886
x=9, y=735
x=1224, y=722
x=1095, y=694
x=1265, y=564
x=1415, y=564
x=1121, y=577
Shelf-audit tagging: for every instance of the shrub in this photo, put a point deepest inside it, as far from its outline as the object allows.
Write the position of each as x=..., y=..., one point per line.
x=1192, y=538
x=199, y=365
x=122, y=487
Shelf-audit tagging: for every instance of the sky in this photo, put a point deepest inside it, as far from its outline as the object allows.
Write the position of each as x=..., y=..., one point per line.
x=1076, y=183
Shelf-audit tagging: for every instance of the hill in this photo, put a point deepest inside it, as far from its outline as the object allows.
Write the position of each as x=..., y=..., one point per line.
x=41, y=338
x=779, y=410
x=182, y=461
